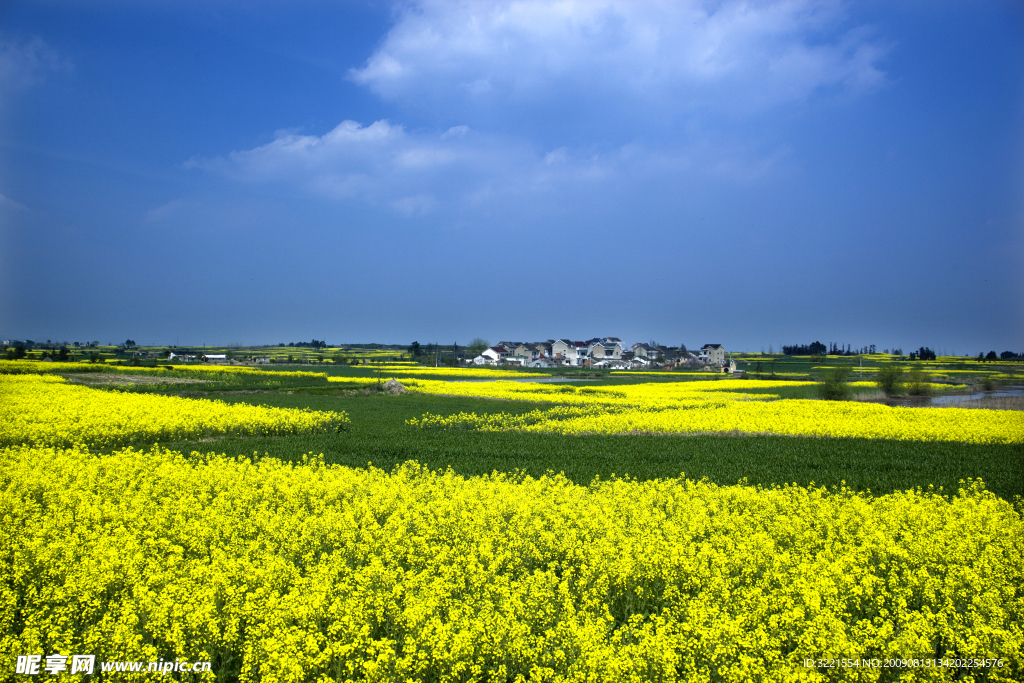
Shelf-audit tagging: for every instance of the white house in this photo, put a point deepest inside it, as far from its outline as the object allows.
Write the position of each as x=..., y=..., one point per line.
x=715, y=353
x=600, y=350
x=567, y=352
x=526, y=351
x=645, y=351
x=614, y=341
x=495, y=354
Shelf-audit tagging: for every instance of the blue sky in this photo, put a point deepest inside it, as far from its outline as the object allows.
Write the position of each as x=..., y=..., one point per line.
x=744, y=173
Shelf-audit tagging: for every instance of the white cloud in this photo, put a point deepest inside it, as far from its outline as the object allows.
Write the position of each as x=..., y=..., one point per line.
x=23, y=64
x=732, y=55
x=594, y=95
x=380, y=163
x=164, y=211
x=455, y=132
x=11, y=205
x=419, y=173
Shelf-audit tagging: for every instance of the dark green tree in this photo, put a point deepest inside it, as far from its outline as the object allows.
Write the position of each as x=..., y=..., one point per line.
x=918, y=382
x=890, y=379
x=833, y=386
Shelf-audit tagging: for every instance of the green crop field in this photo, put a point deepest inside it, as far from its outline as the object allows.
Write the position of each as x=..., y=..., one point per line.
x=380, y=436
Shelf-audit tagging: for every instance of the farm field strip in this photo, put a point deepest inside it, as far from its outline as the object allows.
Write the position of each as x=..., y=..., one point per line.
x=717, y=406
x=46, y=410
x=202, y=371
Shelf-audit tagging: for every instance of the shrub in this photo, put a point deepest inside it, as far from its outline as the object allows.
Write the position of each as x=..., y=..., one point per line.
x=833, y=386
x=918, y=382
x=988, y=383
x=890, y=380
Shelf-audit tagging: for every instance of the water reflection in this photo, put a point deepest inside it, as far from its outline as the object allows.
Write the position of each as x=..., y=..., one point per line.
x=960, y=398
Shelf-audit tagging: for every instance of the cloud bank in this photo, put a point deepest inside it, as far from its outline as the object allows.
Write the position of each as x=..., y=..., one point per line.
x=583, y=93
x=733, y=56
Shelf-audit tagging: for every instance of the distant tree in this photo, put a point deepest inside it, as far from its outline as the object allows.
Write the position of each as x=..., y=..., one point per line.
x=682, y=349
x=812, y=349
x=890, y=379
x=477, y=346
x=63, y=354
x=129, y=343
x=923, y=353
x=1007, y=355
x=94, y=357
x=918, y=382
x=991, y=356
x=230, y=354
x=833, y=386
x=415, y=349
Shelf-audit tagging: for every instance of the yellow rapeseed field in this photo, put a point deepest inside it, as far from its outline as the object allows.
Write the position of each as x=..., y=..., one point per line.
x=207, y=371
x=716, y=406
x=46, y=410
x=278, y=572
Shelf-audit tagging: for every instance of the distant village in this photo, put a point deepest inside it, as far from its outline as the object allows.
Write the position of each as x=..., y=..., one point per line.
x=597, y=353
x=603, y=352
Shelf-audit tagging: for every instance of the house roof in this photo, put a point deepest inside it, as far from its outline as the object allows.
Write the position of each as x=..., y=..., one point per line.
x=711, y=346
